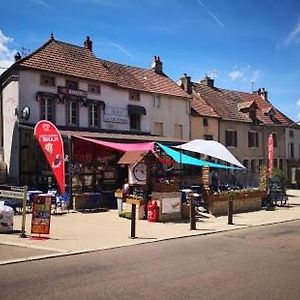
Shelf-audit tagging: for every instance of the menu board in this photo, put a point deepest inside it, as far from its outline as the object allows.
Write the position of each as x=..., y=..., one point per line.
x=41, y=213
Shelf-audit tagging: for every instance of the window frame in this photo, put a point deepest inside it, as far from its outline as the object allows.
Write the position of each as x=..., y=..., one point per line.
x=45, y=103
x=232, y=140
x=95, y=85
x=134, y=95
x=68, y=111
x=156, y=101
x=274, y=140
x=43, y=80
x=72, y=84
x=180, y=130
x=135, y=122
x=253, y=139
x=91, y=118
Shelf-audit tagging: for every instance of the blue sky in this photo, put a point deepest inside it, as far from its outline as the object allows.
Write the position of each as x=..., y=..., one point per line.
x=242, y=44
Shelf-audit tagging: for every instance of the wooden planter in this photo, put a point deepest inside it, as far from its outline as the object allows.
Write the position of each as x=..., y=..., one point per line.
x=164, y=188
x=243, y=201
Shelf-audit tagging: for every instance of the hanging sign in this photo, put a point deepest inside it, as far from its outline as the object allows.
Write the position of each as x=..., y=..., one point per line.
x=52, y=146
x=41, y=214
x=270, y=154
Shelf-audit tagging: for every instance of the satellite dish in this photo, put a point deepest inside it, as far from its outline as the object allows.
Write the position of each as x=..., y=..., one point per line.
x=26, y=113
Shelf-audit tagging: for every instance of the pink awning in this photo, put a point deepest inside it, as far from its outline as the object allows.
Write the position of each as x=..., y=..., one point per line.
x=124, y=147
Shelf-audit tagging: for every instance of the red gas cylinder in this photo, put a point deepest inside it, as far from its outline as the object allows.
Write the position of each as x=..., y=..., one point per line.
x=153, y=211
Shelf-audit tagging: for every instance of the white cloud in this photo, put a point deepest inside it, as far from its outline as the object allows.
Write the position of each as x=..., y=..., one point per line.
x=234, y=75
x=6, y=54
x=294, y=35
x=41, y=3
x=244, y=74
x=213, y=74
x=298, y=102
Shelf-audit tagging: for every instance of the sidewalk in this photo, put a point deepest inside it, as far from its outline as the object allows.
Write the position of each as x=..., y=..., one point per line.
x=83, y=232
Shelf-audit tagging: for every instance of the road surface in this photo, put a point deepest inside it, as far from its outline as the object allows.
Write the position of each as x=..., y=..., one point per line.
x=256, y=263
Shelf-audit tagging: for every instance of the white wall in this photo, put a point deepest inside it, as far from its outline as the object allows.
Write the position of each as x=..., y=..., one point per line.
x=295, y=140
x=172, y=110
x=10, y=96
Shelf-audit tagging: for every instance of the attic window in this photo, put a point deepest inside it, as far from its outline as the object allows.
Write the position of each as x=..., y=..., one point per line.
x=205, y=122
x=47, y=80
x=71, y=84
x=94, y=88
x=134, y=95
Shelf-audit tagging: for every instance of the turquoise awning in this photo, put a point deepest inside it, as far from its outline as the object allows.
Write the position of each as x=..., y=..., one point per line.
x=188, y=160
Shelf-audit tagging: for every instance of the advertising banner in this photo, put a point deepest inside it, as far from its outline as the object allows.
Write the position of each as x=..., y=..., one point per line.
x=41, y=214
x=270, y=154
x=52, y=146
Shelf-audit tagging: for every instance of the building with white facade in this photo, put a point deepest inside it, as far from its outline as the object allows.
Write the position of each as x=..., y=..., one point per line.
x=84, y=96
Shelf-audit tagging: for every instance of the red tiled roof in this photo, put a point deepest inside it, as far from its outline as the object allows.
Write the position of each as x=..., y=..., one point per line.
x=265, y=106
x=202, y=108
x=223, y=102
x=62, y=58
x=143, y=79
x=227, y=104
x=66, y=59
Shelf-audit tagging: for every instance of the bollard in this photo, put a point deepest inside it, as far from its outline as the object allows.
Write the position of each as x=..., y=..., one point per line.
x=192, y=212
x=133, y=210
x=230, y=210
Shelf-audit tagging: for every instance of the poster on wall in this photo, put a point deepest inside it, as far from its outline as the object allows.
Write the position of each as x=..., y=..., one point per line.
x=51, y=142
x=171, y=205
x=41, y=214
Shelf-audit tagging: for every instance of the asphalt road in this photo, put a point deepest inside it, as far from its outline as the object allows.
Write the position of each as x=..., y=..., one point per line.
x=257, y=263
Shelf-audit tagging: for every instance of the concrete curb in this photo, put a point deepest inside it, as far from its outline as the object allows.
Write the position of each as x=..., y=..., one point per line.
x=72, y=253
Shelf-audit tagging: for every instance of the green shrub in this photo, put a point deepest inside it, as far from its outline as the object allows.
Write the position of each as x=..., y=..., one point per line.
x=125, y=214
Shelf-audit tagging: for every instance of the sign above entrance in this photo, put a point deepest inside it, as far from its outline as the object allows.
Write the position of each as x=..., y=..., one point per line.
x=67, y=91
x=51, y=143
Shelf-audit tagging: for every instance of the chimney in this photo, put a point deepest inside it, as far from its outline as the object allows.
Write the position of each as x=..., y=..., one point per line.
x=208, y=81
x=186, y=84
x=88, y=43
x=263, y=93
x=17, y=56
x=157, y=65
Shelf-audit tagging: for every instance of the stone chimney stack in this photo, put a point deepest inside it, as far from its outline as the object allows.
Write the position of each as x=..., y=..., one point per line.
x=17, y=56
x=157, y=65
x=263, y=93
x=208, y=81
x=88, y=43
x=186, y=84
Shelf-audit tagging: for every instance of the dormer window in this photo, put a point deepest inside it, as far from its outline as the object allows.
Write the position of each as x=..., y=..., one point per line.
x=249, y=108
x=252, y=113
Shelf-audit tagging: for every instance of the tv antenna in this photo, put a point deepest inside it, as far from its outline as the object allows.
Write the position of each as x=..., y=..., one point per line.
x=24, y=51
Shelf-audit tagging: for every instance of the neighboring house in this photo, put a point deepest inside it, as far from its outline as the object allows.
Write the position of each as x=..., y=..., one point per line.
x=292, y=136
x=245, y=122
x=84, y=95
x=204, y=120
